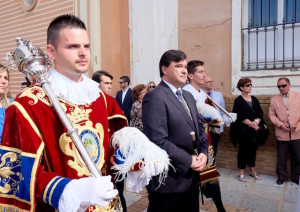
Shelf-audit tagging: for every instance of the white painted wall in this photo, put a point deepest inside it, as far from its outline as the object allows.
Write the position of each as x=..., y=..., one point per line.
x=95, y=34
x=95, y=30
x=153, y=26
x=264, y=82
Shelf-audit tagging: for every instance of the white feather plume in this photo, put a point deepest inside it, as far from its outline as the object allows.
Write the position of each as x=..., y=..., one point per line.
x=209, y=113
x=136, y=147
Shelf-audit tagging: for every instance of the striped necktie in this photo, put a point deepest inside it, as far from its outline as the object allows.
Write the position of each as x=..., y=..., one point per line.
x=183, y=102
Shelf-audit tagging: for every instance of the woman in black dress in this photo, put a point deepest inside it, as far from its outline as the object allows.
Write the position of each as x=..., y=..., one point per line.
x=249, y=115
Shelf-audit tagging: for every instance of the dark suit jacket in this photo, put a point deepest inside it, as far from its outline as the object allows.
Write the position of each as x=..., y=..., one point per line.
x=127, y=103
x=168, y=125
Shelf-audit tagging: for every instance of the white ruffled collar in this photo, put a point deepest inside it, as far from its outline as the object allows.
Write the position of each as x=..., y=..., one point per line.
x=84, y=92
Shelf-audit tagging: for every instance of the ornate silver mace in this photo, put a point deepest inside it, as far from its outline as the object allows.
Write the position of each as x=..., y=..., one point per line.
x=32, y=61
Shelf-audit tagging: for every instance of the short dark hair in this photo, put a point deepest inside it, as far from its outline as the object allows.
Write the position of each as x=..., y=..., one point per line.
x=191, y=66
x=284, y=78
x=136, y=91
x=25, y=83
x=242, y=82
x=62, y=22
x=125, y=79
x=170, y=56
x=97, y=75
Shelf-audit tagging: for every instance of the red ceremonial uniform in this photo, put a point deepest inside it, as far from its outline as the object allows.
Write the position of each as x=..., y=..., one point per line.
x=39, y=159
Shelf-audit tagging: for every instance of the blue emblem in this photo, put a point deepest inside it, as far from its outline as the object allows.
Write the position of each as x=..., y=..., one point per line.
x=91, y=144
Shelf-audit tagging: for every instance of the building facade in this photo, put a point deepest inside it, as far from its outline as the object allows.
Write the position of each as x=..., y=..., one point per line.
x=235, y=38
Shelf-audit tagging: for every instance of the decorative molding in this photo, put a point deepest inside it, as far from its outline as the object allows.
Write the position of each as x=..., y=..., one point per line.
x=29, y=5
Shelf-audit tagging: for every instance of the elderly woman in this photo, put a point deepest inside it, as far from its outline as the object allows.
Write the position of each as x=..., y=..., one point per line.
x=150, y=85
x=4, y=100
x=249, y=115
x=138, y=94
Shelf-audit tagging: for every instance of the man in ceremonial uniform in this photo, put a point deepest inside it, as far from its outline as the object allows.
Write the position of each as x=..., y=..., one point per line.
x=41, y=169
x=105, y=81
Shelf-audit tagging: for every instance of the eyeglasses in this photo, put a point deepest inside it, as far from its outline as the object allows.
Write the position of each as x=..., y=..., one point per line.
x=281, y=86
x=152, y=86
x=248, y=85
x=121, y=82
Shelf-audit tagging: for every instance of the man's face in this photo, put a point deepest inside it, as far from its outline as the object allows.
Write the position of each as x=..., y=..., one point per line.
x=105, y=84
x=283, y=87
x=208, y=83
x=175, y=73
x=72, y=53
x=199, y=76
x=123, y=84
x=23, y=87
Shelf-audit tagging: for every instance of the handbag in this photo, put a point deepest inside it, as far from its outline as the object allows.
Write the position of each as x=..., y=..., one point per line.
x=234, y=133
x=263, y=132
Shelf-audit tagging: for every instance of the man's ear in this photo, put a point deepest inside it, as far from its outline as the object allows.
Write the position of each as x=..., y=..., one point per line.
x=164, y=69
x=190, y=76
x=51, y=51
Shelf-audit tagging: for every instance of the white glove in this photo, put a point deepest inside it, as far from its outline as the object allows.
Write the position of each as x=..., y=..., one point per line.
x=228, y=120
x=134, y=183
x=79, y=194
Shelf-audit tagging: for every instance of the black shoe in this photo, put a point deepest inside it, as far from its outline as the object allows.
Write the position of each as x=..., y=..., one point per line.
x=280, y=182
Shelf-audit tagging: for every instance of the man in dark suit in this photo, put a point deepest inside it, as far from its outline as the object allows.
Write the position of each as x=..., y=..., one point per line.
x=168, y=120
x=125, y=101
x=124, y=96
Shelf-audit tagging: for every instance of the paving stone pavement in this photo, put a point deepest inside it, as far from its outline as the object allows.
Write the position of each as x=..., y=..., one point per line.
x=253, y=196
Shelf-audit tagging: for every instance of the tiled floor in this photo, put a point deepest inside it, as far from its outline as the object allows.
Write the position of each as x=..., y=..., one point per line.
x=263, y=195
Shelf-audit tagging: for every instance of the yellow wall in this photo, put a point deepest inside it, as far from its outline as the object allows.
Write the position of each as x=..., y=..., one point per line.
x=115, y=55
x=204, y=33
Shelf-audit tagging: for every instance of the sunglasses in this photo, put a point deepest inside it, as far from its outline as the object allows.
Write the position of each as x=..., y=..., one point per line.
x=248, y=85
x=281, y=86
x=152, y=86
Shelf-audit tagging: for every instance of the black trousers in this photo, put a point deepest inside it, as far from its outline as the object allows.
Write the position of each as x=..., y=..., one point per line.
x=212, y=190
x=282, y=150
x=247, y=153
x=173, y=202
x=215, y=137
x=120, y=188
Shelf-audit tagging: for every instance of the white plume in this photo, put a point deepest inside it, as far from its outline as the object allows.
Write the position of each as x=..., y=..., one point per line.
x=137, y=148
x=209, y=114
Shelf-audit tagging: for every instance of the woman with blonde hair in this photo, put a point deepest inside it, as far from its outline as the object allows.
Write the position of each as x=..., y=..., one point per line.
x=150, y=85
x=4, y=100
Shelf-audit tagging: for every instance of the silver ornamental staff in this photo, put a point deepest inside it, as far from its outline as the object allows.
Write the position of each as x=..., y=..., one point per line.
x=32, y=61
x=219, y=106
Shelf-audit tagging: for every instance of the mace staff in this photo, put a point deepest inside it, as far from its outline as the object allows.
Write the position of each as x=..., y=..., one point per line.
x=32, y=61
x=219, y=106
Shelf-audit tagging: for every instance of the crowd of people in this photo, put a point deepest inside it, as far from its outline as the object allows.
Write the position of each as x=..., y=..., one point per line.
x=183, y=115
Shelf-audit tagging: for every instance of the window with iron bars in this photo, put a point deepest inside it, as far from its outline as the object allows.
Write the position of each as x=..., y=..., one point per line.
x=270, y=35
